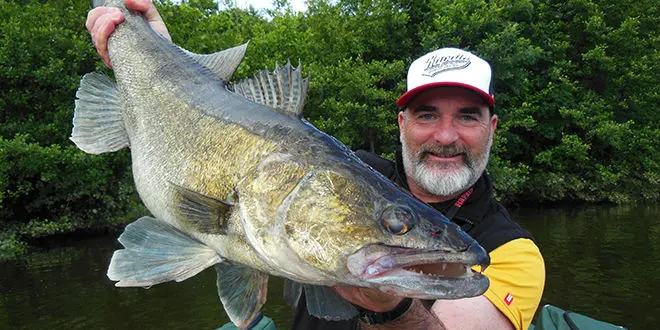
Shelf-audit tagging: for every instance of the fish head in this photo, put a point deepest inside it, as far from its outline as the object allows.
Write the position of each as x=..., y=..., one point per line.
x=354, y=224
x=424, y=256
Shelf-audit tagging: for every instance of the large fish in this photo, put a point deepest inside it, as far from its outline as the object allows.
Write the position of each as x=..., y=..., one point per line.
x=234, y=177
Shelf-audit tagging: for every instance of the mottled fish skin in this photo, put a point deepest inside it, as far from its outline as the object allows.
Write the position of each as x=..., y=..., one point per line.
x=261, y=188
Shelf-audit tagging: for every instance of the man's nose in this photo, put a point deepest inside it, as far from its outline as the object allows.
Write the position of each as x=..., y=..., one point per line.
x=445, y=132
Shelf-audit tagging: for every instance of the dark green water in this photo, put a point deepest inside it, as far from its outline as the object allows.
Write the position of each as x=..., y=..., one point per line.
x=601, y=262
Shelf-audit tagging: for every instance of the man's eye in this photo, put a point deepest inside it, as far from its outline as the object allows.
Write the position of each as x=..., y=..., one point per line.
x=427, y=116
x=468, y=118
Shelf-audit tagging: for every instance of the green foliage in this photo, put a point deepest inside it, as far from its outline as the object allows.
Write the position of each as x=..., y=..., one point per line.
x=53, y=189
x=574, y=86
x=10, y=246
x=360, y=117
x=47, y=186
x=43, y=52
x=576, y=89
x=370, y=29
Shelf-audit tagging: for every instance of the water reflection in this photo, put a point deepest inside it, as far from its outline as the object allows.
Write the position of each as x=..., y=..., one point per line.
x=66, y=288
x=600, y=261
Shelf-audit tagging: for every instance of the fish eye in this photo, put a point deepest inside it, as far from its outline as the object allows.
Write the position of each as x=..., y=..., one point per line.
x=398, y=220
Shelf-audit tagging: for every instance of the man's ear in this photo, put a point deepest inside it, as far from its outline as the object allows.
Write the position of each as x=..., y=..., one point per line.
x=401, y=119
x=493, y=124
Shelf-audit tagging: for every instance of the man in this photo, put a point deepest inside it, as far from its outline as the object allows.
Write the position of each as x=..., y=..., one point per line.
x=446, y=131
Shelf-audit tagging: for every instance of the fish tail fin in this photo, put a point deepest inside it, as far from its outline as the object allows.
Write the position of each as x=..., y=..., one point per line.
x=156, y=252
x=98, y=126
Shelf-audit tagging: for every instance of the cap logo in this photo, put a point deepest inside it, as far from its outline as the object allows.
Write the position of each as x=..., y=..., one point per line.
x=436, y=65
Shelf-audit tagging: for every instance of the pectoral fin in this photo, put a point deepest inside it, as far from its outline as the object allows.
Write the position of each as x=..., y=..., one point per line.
x=156, y=252
x=292, y=292
x=324, y=303
x=97, y=123
x=203, y=213
x=242, y=291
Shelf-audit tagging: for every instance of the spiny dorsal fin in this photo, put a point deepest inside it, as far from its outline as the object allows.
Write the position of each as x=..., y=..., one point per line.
x=223, y=63
x=97, y=123
x=283, y=90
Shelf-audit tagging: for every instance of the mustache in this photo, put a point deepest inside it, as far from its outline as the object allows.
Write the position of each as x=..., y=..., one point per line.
x=440, y=150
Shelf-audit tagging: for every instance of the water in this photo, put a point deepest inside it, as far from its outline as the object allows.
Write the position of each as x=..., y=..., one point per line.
x=65, y=287
x=600, y=261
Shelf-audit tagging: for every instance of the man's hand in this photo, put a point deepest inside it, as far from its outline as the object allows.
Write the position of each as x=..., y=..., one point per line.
x=101, y=22
x=370, y=299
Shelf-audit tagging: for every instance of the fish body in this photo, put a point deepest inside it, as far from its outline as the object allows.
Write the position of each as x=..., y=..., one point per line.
x=235, y=178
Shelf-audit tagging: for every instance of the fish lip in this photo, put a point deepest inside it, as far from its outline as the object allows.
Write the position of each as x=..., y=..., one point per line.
x=402, y=258
x=396, y=270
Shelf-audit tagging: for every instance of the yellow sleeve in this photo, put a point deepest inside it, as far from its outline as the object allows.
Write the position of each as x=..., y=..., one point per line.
x=517, y=278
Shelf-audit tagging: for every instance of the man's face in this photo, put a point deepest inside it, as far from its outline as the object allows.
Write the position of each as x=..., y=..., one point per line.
x=446, y=135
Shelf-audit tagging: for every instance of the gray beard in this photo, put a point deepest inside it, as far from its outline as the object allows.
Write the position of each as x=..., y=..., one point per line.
x=444, y=184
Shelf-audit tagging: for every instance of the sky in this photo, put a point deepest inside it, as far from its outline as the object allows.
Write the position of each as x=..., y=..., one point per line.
x=297, y=5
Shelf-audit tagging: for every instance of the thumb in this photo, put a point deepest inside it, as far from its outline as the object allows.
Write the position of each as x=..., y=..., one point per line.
x=147, y=8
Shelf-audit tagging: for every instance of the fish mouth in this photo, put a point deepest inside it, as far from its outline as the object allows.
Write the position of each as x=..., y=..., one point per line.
x=436, y=274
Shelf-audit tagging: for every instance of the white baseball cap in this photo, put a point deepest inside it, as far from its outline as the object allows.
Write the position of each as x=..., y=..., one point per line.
x=449, y=67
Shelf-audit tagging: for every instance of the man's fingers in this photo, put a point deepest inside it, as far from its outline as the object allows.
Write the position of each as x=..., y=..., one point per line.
x=140, y=5
x=100, y=38
x=150, y=14
x=92, y=16
x=100, y=24
x=96, y=13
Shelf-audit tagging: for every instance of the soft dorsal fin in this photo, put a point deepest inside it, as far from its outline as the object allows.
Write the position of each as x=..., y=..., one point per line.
x=283, y=90
x=223, y=63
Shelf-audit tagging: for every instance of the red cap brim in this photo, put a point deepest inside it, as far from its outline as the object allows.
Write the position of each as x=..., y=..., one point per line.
x=403, y=101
